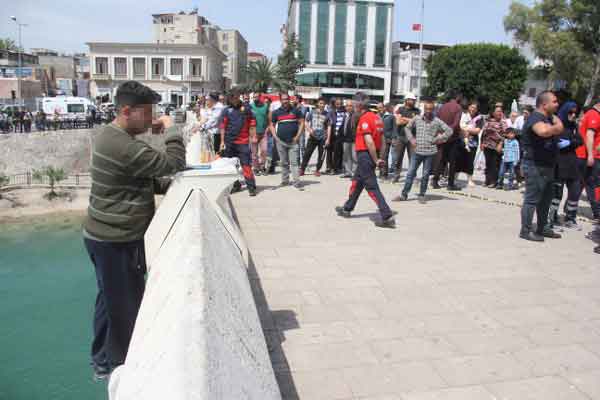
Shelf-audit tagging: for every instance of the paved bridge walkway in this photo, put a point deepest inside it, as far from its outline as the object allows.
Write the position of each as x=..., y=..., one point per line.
x=449, y=306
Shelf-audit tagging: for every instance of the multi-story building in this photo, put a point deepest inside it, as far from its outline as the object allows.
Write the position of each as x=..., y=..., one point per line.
x=346, y=46
x=405, y=67
x=182, y=28
x=255, y=56
x=178, y=72
x=32, y=78
x=235, y=47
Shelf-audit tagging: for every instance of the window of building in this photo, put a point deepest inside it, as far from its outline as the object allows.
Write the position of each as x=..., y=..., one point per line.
x=304, y=30
x=414, y=64
x=165, y=30
x=532, y=92
x=322, y=31
x=139, y=67
x=176, y=66
x=196, y=67
x=344, y=80
x=225, y=48
x=101, y=65
x=381, y=34
x=120, y=66
x=224, y=36
x=339, y=46
x=158, y=67
x=177, y=36
x=414, y=81
x=360, y=36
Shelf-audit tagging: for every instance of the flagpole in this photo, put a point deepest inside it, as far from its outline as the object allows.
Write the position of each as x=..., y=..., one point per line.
x=420, y=52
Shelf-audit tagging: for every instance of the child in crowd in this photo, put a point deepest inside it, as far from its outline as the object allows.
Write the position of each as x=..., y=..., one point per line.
x=510, y=159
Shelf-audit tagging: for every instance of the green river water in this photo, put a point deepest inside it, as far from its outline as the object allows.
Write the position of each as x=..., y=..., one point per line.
x=47, y=290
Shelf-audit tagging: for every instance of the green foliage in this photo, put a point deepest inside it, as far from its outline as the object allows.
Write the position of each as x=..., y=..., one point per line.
x=486, y=72
x=566, y=35
x=54, y=176
x=8, y=44
x=262, y=75
x=289, y=63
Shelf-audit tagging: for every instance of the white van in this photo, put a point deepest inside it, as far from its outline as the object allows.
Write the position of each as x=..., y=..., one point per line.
x=66, y=106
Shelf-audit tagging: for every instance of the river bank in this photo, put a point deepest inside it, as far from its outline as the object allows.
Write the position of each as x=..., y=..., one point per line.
x=23, y=205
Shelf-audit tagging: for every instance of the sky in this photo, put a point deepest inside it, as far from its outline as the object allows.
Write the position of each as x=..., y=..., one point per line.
x=66, y=25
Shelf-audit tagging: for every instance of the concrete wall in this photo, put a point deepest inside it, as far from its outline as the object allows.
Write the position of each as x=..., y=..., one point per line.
x=197, y=335
x=69, y=149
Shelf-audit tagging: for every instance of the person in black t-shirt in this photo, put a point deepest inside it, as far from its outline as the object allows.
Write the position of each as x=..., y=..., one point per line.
x=540, y=143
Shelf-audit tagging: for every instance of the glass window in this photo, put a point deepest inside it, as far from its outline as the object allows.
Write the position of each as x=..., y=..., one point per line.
x=345, y=80
x=339, y=50
x=139, y=67
x=304, y=31
x=120, y=66
x=176, y=66
x=75, y=108
x=380, y=34
x=360, y=36
x=196, y=66
x=158, y=67
x=101, y=65
x=322, y=31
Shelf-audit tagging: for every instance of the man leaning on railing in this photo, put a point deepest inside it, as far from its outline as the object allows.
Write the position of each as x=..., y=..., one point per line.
x=126, y=174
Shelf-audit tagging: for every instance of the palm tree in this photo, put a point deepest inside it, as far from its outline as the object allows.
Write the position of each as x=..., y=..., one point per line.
x=262, y=74
x=54, y=176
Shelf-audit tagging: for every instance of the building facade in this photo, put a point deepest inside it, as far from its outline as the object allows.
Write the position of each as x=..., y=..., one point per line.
x=181, y=28
x=178, y=72
x=235, y=47
x=346, y=45
x=255, y=57
x=405, y=67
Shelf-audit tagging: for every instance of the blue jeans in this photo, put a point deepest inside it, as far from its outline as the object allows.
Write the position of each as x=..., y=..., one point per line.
x=506, y=166
x=415, y=161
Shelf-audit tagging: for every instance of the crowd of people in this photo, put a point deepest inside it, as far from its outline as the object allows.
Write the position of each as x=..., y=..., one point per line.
x=25, y=121
x=447, y=139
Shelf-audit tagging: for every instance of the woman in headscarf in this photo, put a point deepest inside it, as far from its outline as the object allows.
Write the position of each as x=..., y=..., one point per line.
x=566, y=168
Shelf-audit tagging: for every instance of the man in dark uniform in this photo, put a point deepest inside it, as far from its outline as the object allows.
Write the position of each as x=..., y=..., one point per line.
x=236, y=123
x=368, y=143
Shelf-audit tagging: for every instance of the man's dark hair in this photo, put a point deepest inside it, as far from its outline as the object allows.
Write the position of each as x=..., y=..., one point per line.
x=283, y=94
x=543, y=98
x=321, y=99
x=362, y=99
x=132, y=93
x=528, y=108
x=595, y=101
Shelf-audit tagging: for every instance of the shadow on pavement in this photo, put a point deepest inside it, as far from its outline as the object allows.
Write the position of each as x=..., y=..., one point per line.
x=274, y=323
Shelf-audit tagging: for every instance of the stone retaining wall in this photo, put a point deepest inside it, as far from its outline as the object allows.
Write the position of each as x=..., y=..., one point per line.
x=68, y=149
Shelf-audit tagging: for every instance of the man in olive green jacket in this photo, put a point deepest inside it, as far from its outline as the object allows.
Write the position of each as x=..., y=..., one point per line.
x=126, y=174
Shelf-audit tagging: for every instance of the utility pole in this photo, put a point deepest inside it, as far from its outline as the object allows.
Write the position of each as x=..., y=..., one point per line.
x=20, y=69
x=420, y=52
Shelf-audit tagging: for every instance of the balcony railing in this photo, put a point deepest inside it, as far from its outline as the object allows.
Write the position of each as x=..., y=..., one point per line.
x=100, y=77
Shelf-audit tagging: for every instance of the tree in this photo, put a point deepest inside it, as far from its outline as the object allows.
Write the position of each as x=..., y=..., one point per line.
x=289, y=63
x=566, y=35
x=262, y=74
x=485, y=72
x=8, y=44
x=54, y=176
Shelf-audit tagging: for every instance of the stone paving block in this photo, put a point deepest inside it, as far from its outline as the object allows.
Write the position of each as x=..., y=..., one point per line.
x=452, y=322
x=324, y=313
x=413, y=306
x=545, y=388
x=558, y=360
x=391, y=380
x=353, y=295
x=413, y=349
x=564, y=333
x=464, y=393
x=382, y=329
x=330, y=332
x=526, y=316
x=328, y=356
x=579, y=311
x=587, y=383
x=476, y=370
x=489, y=342
x=322, y=385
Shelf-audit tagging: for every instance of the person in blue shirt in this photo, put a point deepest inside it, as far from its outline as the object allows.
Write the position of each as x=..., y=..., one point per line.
x=511, y=157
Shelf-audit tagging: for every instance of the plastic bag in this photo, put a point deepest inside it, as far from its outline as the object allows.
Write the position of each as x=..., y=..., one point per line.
x=480, y=161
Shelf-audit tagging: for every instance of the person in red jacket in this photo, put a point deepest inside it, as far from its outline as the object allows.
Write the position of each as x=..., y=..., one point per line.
x=236, y=123
x=368, y=143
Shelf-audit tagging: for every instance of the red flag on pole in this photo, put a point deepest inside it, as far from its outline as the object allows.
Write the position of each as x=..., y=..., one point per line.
x=417, y=27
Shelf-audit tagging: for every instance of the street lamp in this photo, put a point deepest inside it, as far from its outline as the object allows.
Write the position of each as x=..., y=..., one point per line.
x=20, y=69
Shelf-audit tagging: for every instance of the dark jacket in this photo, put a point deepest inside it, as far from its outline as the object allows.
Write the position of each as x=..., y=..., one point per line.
x=567, y=159
x=349, y=127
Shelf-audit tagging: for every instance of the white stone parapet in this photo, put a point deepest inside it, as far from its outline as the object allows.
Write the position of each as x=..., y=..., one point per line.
x=198, y=334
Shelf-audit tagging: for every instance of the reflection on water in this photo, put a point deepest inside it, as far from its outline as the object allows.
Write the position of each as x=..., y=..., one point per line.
x=47, y=288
